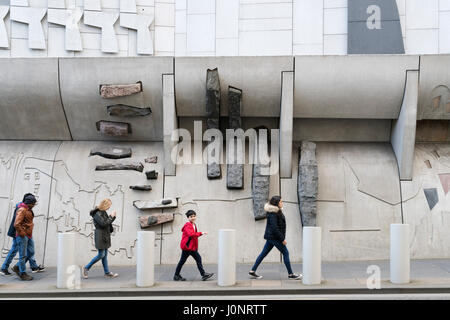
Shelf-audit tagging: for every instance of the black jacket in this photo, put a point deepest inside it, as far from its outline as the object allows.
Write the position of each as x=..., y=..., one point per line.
x=276, y=223
x=103, y=228
x=12, y=230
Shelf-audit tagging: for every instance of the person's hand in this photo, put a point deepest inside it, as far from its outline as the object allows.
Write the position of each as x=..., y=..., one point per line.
x=113, y=214
x=285, y=242
x=204, y=233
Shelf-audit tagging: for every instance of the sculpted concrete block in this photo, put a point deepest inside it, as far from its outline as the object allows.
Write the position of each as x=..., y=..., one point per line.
x=112, y=152
x=308, y=183
x=136, y=166
x=170, y=124
x=70, y=19
x=146, y=187
x=123, y=110
x=161, y=204
x=116, y=129
x=32, y=17
x=104, y=21
x=152, y=159
x=141, y=23
x=119, y=90
x=260, y=191
x=235, y=167
x=4, y=42
x=286, y=124
x=151, y=174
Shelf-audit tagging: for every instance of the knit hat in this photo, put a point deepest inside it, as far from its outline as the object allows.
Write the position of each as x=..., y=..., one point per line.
x=29, y=199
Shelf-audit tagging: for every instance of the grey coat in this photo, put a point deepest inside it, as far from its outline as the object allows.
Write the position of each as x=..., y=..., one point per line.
x=103, y=228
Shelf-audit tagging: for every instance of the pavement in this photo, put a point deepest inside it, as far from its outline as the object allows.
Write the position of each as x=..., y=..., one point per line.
x=338, y=278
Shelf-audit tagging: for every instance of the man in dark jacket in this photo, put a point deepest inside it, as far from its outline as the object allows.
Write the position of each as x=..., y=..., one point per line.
x=15, y=247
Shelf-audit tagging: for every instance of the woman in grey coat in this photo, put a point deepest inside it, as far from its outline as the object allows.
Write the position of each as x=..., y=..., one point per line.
x=103, y=229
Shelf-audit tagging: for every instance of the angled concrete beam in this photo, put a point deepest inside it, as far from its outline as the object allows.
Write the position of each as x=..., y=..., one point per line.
x=4, y=43
x=169, y=122
x=286, y=124
x=403, y=135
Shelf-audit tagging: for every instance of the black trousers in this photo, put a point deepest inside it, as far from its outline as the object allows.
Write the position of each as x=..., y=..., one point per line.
x=184, y=255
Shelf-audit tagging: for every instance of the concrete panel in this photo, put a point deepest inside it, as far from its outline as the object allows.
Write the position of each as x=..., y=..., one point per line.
x=30, y=103
x=429, y=236
x=350, y=86
x=26, y=167
x=259, y=78
x=404, y=128
x=286, y=124
x=342, y=130
x=170, y=122
x=77, y=188
x=434, y=83
x=80, y=82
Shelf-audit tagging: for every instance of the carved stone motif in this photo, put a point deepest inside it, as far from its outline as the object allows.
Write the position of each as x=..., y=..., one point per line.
x=155, y=219
x=137, y=166
x=152, y=204
x=111, y=128
x=151, y=174
x=213, y=114
x=122, y=110
x=112, y=152
x=307, y=185
x=146, y=187
x=108, y=91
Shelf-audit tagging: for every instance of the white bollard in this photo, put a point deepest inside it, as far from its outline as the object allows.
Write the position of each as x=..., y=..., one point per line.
x=68, y=274
x=227, y=257
x=145, y=273
x=400, y=255
x=312, y=255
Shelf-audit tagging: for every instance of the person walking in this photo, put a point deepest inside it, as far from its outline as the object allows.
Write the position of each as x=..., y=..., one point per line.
x=15, y=247
x=189, y=247
x=275, y=235
x=24, y=235
x=103, y=229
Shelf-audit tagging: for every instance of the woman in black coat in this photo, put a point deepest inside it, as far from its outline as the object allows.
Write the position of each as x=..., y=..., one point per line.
x=103, y=230
x=275, y=235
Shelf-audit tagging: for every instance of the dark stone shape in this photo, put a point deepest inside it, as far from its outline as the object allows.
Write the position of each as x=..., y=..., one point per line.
x=386, y=38
x=122, y=110
x=260, y=190
x=153, y=159
x=111, y=128
x=137, y=166
x=146, y=187
x=119, y=90
x=151, y=174
x=235, y=170
x=214, y=170
x=307, y=185
x=432, y=197
x=152, y=204
x=168, y=201
x=112, y=152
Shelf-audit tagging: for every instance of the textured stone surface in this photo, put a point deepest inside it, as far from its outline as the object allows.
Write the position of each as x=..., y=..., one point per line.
x=214, y=170
x=260, y=191
x=123, y=110
x=119, y=90
x=112, y=152
x=155, y=219
x=235, y=171
x=152, y=159
x=116, y=129
x=144, y=205
x=145, y=187
x=137, y=166
x=308, y=183
x=151, y=174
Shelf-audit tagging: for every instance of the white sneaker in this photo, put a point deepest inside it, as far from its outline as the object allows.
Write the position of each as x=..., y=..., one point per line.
x=255, y=275
x=295, y=276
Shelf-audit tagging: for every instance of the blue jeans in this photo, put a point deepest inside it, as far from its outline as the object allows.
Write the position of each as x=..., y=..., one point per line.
x=26, y=253
x=269, y=246
x=102, y=255
x=11, y=254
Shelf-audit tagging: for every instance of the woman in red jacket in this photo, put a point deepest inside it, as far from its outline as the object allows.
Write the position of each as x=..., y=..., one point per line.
x=189, y=247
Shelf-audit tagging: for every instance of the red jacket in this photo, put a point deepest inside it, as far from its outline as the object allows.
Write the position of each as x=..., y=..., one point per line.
x=189, y=239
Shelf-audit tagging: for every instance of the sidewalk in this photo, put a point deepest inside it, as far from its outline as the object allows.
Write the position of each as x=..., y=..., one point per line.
x=427, y=276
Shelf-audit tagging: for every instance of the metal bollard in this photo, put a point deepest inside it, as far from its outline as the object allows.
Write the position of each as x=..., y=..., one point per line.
x=400, y=254
x=312, y=255
x=227, y=257
x=145, y=273
x=68, y=274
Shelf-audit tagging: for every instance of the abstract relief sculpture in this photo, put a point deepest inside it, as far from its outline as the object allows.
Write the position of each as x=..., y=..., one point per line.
x=105, y=21
x=235, y=152
x=260, y=190
x=136, y=166
x=123, y=110
x=432, y=197
x=164, y=203
x=32, y=17
x=112, y=152
x=119, y=90
x=116, y=129
x=69, y=18
x=212, y=117
x=155, y=219
x=307, y=183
